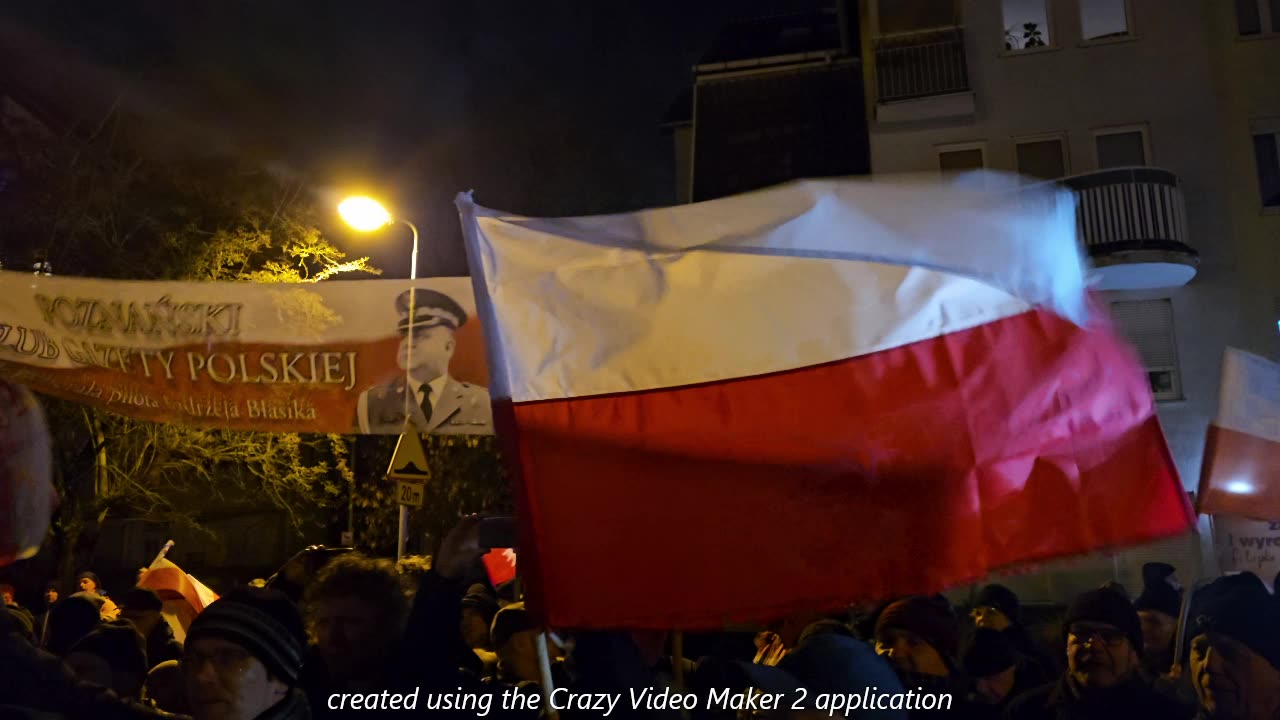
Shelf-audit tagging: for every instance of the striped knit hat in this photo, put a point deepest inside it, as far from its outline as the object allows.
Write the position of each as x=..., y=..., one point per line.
x=263, y=622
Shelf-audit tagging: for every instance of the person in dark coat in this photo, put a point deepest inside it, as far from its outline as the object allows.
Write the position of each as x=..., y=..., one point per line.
x=1234, y=659
x=1158, y=608
x=143, y=609
x=920, y=638
x=999, y=674
x=111, y=656
x=42, y=620
x=1103, y=678
x=997, y=607
x=40, y=684
x=69, y=620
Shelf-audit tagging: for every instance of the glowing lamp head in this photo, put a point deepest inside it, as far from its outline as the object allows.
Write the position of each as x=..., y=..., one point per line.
x=364, y=213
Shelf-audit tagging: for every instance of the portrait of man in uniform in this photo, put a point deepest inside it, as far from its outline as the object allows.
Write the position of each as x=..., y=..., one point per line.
x=438, y=403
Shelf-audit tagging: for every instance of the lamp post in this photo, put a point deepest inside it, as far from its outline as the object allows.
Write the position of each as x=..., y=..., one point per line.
x=366, y=215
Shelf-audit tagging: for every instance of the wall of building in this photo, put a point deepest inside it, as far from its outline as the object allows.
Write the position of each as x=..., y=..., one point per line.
x=1165, y=78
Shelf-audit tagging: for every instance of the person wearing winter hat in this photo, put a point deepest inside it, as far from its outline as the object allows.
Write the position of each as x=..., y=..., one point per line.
x=997, y=607
x=919, y=635
x=998, y=673
x=1234, y=660
x=69, y=620
x=111, y=656
x=1158, y=608
x=243, y=657
x=90, y=584
x=1102, y=681
x=143, y=609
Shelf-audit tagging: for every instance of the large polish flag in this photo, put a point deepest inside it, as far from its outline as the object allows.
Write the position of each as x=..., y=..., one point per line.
x=819, y=393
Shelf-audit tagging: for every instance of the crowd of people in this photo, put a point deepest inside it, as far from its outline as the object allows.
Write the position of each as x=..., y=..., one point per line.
x=337, y=630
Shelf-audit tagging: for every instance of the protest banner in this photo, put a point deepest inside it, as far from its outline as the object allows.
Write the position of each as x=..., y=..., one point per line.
x=313, y=357
x=1245, y=545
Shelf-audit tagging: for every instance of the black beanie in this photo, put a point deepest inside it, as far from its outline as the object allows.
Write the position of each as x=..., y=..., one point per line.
x=92, y=576
x=1160, y=590
x=988, y=653
x=138, y=600
x=929, y=617
x=1239, y=607
x=1000, y=598
x=480, y=598
x=263, y=622
x=119, y=644
x=1105, y=605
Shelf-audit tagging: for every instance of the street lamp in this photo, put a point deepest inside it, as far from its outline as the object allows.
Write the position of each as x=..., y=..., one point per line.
x=366, y=215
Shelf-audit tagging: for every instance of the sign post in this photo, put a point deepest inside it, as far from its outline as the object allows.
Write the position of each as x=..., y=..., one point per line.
x=409, y=469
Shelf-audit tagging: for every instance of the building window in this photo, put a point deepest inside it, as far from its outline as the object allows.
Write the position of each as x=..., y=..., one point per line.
x=1103, y=19
x=1256, y=17
x=1026, y=24
x=1266, y=153
x=961, y=158
x=1148, y=325
x=1043, y=158
x=1121, y=147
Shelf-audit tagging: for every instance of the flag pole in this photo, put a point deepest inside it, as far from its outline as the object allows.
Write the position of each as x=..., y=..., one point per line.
x=677, y=666
x=160, y=555
x=544, y=669
x=1180, y=637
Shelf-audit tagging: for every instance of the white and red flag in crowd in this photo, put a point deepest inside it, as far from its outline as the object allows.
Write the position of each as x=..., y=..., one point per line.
x=809, y=395
x=1241, y=470
x=182, y=594
x=500, y=564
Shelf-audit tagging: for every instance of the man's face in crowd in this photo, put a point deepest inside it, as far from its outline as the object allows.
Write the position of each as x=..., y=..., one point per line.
x=518, y=657
x=225, y=682
x=432, y=349
x=1099, y=655
x=908, y=651
x=87, y=585
x=474, y=627
x=1232, y=681
x=7, y=596
x=50, y=596
x=1157, y=631
x=351, y=635
x=985, y=616
x=995, y=688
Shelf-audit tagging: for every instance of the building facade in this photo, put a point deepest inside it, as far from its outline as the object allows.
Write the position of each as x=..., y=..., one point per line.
x=1164, y=118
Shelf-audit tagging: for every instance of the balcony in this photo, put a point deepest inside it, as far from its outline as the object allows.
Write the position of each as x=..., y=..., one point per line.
x=1133, y=223
x=922, y=76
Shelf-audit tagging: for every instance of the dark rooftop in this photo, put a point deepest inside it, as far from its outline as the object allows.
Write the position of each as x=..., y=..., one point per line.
x=771, y=36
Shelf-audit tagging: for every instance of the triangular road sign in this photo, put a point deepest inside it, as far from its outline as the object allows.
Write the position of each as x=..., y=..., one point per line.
x=409, y=461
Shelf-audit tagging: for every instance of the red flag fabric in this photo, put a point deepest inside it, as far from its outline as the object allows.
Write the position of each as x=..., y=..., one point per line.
x=500, y=564
x=1240, y=474
x=743, y=408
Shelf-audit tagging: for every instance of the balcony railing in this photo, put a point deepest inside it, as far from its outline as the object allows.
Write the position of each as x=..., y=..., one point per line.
x=1135, y=208
x=921, y=64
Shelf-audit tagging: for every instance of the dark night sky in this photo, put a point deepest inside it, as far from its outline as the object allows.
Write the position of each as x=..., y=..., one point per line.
x=543, y=107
